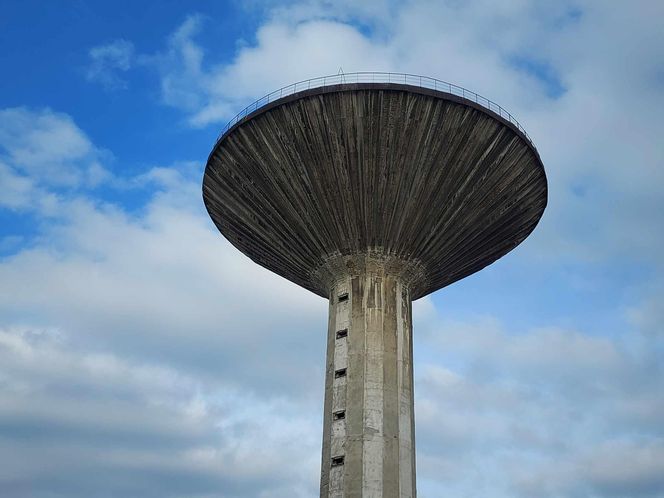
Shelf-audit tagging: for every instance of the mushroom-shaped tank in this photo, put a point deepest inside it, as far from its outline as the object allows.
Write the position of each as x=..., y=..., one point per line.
x=373, y=194
x=439, y=184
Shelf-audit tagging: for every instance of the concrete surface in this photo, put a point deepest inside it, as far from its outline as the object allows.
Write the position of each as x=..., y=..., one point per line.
x=420, y=175
x=378, y=194
x=376, y=437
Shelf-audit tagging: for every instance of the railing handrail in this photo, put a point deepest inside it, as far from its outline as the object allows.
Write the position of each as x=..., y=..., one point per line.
x=377, y=77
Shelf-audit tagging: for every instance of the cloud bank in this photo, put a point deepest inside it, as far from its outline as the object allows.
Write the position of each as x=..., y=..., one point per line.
x=140, y=354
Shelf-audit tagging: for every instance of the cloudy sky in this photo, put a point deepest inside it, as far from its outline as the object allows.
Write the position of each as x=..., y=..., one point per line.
x=141, y=355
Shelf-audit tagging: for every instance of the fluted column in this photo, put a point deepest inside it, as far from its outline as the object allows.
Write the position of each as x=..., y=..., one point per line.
x=369, y=439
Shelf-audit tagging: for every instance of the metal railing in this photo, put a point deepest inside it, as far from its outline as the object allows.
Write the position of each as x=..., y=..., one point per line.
x=376, y=77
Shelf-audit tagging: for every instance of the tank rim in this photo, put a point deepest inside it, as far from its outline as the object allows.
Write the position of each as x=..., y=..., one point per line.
x=346, y=87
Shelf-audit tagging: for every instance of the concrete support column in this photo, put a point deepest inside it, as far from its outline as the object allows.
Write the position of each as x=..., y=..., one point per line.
x=369, y=433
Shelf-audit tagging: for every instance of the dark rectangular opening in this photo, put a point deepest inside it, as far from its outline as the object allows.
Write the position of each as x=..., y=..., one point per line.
x=337, y=461
x=343, y=297
x=342, y=333
x=340, y=373
x=340, y=415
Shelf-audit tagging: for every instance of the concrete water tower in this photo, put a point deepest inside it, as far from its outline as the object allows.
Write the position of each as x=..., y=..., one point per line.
x=373, y=190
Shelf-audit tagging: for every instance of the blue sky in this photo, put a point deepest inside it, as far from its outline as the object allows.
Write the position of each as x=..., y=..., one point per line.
x=142, y=355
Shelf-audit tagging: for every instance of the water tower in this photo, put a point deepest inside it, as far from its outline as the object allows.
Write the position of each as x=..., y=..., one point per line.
x=373, y=190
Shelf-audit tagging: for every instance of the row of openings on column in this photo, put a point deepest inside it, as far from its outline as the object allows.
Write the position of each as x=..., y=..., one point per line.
x=339, y=381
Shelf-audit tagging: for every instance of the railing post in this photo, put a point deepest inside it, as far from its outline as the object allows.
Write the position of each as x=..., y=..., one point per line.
x=424, y=82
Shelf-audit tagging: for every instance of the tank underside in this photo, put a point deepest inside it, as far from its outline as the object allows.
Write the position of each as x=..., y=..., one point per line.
x=430, y=183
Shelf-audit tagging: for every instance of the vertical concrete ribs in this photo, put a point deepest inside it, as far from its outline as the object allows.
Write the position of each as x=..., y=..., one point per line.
x=373, y=195
x=370, y=341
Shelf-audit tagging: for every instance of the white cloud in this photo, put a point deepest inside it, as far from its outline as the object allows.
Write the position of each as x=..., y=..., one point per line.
x=17, y=188
x=98, y=420
x=305, y=40
x=648, y=315
x=43, y=148
x=107, y=61
x=142, y=354
x=130, y=346
x=613, y=469
x=182, y=79
x=284, y=53
x=549, y=413
x=598, y=132
x=163, y=284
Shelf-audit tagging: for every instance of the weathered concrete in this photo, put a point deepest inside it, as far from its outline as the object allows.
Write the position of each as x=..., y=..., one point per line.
x=416, y=174
x=376, y=435
x=384, y=193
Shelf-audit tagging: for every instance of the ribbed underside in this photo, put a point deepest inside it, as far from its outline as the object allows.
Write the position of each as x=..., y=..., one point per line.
x=414, y=175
